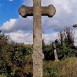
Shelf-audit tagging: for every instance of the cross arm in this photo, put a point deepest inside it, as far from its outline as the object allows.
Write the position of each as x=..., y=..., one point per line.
x=25, y=11
x=45, y=11
x=48, y=11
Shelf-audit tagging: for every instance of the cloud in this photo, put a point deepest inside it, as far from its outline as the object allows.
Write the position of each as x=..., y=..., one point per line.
x=9, y=25
x=49, y=38
x=21, y=37
x=27, y=38
x=17, y=24
x=66, y=16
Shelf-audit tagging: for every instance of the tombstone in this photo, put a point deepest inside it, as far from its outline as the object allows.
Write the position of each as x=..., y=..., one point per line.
x=37, y=11
x=62, y=38
x=55, y=52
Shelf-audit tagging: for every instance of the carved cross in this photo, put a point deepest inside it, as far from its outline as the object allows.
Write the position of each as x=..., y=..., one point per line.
x=37, y=11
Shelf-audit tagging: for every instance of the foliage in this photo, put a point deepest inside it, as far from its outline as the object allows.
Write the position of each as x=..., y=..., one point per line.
x=16, y=58
x=65, y=46
x=48, y=51
x=13, y=57
x=64, y=68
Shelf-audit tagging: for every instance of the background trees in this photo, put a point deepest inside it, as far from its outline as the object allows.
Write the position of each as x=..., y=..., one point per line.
x=66, y=44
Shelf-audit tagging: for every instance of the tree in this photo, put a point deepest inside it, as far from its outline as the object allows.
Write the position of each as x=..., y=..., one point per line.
x=66, y=47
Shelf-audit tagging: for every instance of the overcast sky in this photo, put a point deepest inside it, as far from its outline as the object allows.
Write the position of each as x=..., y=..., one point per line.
x=21, y=29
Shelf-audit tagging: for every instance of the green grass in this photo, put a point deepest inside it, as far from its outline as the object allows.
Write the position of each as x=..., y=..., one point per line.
x=2, y=75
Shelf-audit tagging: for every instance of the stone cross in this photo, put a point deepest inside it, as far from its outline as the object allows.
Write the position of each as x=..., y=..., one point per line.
x=37, y=11
x=55, y=52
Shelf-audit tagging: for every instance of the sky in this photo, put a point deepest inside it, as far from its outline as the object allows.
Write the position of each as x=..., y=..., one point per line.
x=21, y=29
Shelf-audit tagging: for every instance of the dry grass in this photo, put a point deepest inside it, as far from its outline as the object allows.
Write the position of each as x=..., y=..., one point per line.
x=64, y=68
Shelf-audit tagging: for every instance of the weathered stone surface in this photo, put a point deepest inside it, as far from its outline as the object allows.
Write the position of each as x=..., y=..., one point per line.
x=55, y=52
x=37, y=11
x=25, y=11
x=48, y=11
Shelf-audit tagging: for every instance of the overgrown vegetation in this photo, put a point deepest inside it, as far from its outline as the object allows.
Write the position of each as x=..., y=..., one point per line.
x=16, y=58
x=63, y=68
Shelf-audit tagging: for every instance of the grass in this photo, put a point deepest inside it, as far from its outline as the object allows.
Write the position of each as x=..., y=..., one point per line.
x=2, y=75
x=64, y=68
